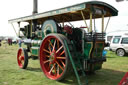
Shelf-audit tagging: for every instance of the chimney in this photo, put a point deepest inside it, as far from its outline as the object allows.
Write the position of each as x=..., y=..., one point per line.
x=35, y=6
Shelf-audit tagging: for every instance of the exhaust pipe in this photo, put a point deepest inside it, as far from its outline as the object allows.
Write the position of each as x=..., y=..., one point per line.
x=35, y=6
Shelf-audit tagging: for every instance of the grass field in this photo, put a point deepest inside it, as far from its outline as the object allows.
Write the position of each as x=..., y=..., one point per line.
x=10, y=74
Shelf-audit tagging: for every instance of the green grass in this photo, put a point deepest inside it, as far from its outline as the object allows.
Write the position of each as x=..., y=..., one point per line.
x=10, y=74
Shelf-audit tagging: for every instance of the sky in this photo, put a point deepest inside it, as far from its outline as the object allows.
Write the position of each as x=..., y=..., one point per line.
x=10, y=9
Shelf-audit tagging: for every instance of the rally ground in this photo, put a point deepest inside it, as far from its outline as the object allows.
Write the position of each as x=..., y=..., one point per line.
x=10, y=74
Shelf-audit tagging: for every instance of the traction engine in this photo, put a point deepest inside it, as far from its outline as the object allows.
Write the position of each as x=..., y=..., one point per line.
x=62, y=48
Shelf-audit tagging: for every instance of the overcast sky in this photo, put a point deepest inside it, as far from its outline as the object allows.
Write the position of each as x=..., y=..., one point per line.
x=10, y=9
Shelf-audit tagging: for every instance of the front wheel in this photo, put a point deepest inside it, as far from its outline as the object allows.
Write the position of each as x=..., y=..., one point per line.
x=22, y=58
x=54, y=59
x=120, y=52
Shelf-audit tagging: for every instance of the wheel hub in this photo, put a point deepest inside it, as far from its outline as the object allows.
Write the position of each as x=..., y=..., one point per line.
x=53, y=57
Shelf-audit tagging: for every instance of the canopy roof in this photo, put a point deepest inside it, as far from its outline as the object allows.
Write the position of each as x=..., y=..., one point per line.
x=72, y=13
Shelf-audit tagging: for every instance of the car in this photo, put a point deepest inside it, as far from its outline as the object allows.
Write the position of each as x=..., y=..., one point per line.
x=119, y=44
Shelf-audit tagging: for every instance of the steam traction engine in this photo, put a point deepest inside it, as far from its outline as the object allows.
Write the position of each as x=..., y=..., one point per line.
x=60, y=47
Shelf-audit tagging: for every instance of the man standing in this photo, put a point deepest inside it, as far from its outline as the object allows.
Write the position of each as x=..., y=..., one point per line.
x=20, y=42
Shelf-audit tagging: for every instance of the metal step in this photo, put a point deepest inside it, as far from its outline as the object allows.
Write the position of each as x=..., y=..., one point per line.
x=75, y=67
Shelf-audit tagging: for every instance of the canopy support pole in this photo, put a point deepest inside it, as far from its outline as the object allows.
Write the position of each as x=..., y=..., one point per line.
x=14, y=29
x=107, y=24
x=31, y=27
x=63, y=24
x=102, y=23
x=19, y=28
x=90, y=22
x=84, y=20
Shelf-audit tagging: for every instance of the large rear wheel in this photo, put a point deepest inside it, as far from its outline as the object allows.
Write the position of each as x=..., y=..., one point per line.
x=54, y=57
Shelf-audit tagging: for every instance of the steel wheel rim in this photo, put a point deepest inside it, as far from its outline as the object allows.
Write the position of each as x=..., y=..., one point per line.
x=120, y=52
x=20, y=58
x=52, y=57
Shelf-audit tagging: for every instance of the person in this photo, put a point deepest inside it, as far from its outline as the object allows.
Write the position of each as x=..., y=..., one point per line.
x=104, y=53
x=9, y=41
x=20, y=42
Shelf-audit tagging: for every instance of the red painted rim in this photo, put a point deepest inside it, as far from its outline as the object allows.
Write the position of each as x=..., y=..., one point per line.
x=52, y=57
x=20, y=58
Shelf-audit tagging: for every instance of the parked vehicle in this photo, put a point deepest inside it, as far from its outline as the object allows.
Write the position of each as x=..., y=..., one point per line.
x=109, y=36
x=119, y=44
x=14, y=41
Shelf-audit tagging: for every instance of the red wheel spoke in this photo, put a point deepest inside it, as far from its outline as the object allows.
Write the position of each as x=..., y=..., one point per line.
x=52, y=68
x=59, y=49
x=58, y=70
x=49, y=49
x=46, y=61
x=47, y=56
x=50, y=43
x=60, y=57
x=62, y=63
x=54, y=46
x=46, y=51
x=20, y=58
x=55, y=69
x=58, y=44
x=60, y=66
x=62, y=53
x=50, y=64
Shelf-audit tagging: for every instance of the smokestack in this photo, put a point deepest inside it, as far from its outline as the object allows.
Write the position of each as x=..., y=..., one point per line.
x=35, y=8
